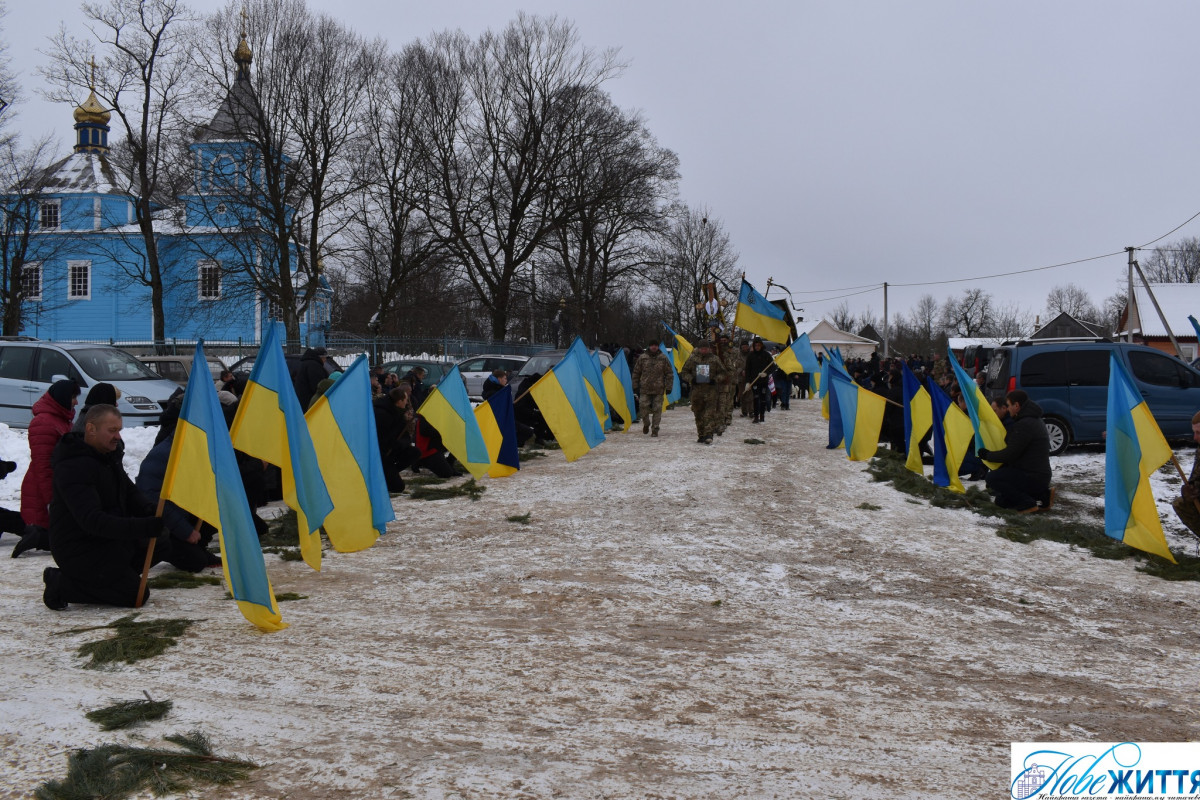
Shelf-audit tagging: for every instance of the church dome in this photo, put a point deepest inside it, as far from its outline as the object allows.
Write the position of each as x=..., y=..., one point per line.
x=242, y=53
x=91, y=111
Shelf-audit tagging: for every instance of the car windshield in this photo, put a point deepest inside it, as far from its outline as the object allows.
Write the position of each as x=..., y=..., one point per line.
x=107, y=364
x=539, y=364
x=215, y=368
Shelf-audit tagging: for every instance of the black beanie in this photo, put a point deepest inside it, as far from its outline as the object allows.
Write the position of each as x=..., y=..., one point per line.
x=63, y=392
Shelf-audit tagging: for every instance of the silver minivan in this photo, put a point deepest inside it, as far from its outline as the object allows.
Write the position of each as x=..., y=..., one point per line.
x=28, y=367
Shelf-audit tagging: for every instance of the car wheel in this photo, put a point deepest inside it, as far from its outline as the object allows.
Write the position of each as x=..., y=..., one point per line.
x=1060, y=435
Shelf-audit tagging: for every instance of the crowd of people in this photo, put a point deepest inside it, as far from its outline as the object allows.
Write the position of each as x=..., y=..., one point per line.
x=78, y=503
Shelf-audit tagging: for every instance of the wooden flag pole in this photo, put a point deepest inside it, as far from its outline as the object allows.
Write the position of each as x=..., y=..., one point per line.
x=141, y=593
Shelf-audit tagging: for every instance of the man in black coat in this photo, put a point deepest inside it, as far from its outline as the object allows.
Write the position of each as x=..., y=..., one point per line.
x=309, y=373
x=1023, y=480
x=758, y=364
x=100, y=524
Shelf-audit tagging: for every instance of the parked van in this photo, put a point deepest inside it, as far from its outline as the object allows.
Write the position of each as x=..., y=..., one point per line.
x=1069, y=380
x=29, y=366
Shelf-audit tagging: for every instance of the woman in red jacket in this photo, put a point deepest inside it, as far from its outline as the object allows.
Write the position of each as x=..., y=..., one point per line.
x=52, y=415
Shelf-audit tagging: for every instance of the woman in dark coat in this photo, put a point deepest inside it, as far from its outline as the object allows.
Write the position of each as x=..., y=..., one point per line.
x=52, y=415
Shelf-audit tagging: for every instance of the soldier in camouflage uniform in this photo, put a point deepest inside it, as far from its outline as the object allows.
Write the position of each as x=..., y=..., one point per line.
x=704, y=370
x=727, y=386
x=652, y=378
x=745, y=397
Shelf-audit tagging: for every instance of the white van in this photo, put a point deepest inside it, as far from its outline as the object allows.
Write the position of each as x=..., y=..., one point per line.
x=29, y=366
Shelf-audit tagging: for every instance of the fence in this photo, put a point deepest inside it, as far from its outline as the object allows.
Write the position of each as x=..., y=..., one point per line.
x=377, y=349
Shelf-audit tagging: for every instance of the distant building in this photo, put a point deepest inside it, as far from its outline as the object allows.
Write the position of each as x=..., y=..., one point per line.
x=823, y=335
x=1140, y=319
x=80, y=278
x=1065, y=326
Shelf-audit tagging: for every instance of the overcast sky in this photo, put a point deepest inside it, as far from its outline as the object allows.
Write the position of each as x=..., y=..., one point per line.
x=844, y=144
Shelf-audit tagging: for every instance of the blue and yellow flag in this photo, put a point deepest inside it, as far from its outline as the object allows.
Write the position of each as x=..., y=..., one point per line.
x=590, y=367
x=342, y=425
x=270, y=425
x=676, y=392
x=203, y=479
x=861, y=415
x=757, y=315
x=989, y=430
x=565, y=400
x=1195, y=325
x=683, y=348
x=799, y=357
x=918, y=418
x=498, y=424
x=447, y=408
x=618, y=386
x=603, y=393
x=953, y=436
x=1134, y=448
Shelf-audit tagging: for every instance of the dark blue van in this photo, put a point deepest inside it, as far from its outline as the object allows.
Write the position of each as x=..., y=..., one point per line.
x=1069, y=380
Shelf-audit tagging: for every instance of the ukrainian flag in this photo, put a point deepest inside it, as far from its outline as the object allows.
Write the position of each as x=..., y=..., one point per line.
x=448, y=409
x=270, y=425
x=989, y=430
x=918, y=418
x=498, y=425
x=861, y=415
x=1134, y=448
x=602, y=394
x=565, y=400
x=618, y=387
x=203, y=479
x=757, y=315
x=799, y=357
x=676, y=393
x=683, y=348
x=342, y=425
x=953, y=435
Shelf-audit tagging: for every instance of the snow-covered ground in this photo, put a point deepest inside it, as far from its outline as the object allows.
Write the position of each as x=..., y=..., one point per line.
x=734, y=621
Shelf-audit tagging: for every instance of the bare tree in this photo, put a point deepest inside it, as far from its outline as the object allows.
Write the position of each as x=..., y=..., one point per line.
x=924, y=321
x=971, y=314
x=1010, y=321
x=1174, y=262
x=496, y=145
x=611, y=199
x=694, y=250
x=1114, y=307
x=23, y=173
x=298, y=120
x=1073, y=300
x=841, y=317
x=142, y=77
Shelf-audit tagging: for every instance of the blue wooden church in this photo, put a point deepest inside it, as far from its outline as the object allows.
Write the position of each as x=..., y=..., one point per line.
x=80, y=279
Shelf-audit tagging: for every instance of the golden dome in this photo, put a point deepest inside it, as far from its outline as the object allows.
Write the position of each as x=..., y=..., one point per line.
x=91, y=111
x=242, y=53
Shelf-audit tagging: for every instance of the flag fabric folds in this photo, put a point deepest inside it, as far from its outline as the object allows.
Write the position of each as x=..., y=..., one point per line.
x=202, y=478
x=498, y=424
x=918, y=418
x=989, y=430
x=953, y=435
x=447, y=408
x=618, y=386
x=861, y=415
x=600, y=398
x=799, y=357
x=676, y=392
x=342, y=425
x=1195, y=325
x=1134, y=448
x=565, y=400
x=270, y=425
x=760, y=317
x=683, y=348
x=590, y=366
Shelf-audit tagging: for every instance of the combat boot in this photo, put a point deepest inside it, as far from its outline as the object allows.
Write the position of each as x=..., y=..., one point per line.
x=646, y=425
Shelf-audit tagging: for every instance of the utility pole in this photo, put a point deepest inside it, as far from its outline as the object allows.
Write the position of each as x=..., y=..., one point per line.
x=1129, y=300
x=885, y=321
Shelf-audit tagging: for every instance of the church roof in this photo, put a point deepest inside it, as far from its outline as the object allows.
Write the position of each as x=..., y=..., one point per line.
x=82, y=173
x=239, y=110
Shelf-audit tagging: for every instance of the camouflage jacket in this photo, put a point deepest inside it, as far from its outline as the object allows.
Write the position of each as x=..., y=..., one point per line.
x=652, y=374
x=700, y=370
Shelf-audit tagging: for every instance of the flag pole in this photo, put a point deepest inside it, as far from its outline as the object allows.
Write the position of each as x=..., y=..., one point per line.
x=141, y=593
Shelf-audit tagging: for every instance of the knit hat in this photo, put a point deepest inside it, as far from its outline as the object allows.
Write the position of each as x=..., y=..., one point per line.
x=104, y=393
x=64, y=392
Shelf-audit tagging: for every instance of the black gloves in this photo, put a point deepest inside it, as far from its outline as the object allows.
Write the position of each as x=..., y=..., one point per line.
x=7, y=467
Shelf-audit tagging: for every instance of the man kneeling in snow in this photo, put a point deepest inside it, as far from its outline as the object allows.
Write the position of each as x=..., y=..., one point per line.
x=100, y=524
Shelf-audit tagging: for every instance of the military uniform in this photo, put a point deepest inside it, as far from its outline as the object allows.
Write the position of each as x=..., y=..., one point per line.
x=704, y=370
x=745, y=398
x=652, y=378
x=727, y=386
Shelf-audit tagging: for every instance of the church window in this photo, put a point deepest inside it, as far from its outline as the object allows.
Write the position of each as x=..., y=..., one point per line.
x=49, y=215
x=31, y=281
x=79, y=280
x=210, y=280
